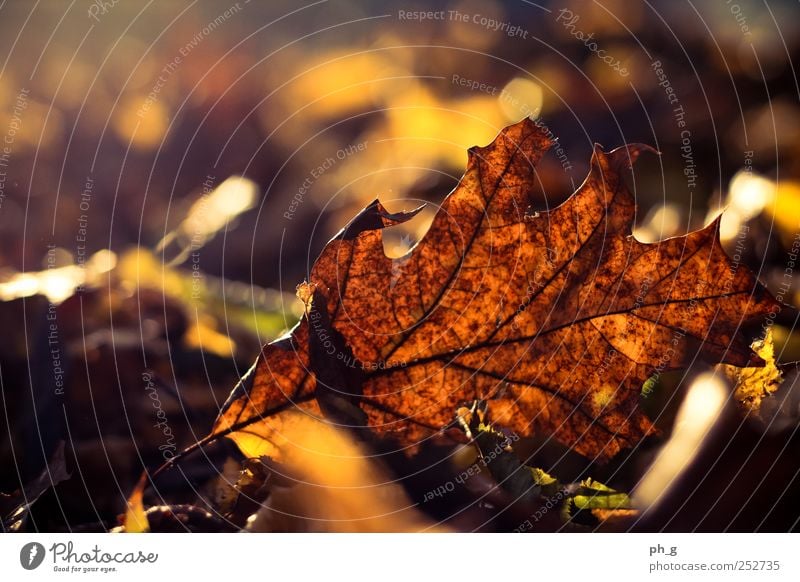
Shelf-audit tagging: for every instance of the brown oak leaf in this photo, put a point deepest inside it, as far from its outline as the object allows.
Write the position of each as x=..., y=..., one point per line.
x=555, y=318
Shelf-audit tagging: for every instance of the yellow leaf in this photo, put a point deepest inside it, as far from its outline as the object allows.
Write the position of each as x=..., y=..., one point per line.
x=201, y=335
x=135, y=518
x=754, y=384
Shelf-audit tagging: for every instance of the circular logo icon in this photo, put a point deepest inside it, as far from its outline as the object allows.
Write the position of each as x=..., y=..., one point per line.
x=31, y=555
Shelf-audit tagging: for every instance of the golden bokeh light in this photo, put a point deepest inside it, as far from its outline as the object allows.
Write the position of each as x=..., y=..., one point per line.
x=699, y=411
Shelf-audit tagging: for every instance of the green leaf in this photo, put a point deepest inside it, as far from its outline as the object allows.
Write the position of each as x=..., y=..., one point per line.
x=549, y=484
x=595, y=495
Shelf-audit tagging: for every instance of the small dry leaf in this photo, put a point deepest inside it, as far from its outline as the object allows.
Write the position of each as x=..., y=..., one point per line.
x=753, y=384
x=305, y=292
x=135, y=520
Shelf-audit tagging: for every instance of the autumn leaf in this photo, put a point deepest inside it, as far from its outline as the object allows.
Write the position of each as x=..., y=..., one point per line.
x=135, y=520
x=549, y=485
x=753, y=384
x=596, y=505
x=556, y=317
x=592, y=494
x=15, y=508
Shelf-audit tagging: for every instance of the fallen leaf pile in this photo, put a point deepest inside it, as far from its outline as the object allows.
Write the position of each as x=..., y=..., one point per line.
x=554, y=318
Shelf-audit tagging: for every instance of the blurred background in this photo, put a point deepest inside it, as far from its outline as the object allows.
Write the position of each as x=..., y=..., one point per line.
x=170, y=170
